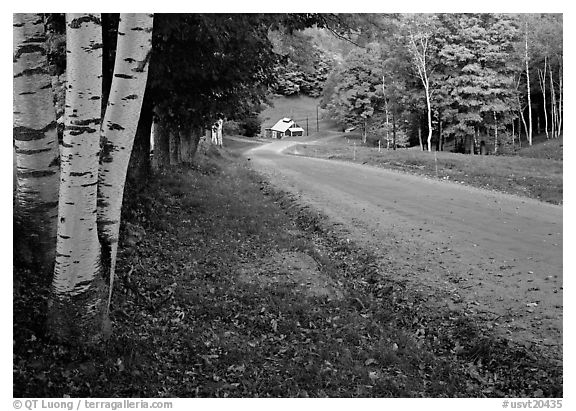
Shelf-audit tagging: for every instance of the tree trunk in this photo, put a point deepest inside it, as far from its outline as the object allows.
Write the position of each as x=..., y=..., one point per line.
x=542, y=79
x=553, y=104
x=386, y=112
x=560, y=100
x=76, y=308
x=495, y=133
x=139, y=166
x=174, y=141
x=214, y=134
x=429, y=116
x=185, y=149
x=440, y=133
x=36, y=149
x=513, y=131
x=393, y=131
x=219, y=124
x=119, y=128
x=420, y=137
x=521, y=111
x=529, y=134
x=161, y=143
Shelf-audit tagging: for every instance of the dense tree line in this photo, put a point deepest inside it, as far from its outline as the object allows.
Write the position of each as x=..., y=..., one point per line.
x=456, y=78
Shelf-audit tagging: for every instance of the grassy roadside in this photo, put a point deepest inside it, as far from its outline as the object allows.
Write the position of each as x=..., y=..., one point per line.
x=187, y=324
x=536, y=172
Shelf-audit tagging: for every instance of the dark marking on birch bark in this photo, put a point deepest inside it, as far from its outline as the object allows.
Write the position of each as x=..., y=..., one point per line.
x=31, y=152
x=130, y=97
x=66, y=145
x=65, y=237
x=76, y=131
x=46, y=86
x=96, y=46
x=77, y=23
x=27, y=93
x=86, y=122
x=129, y=60
x=29, y=48
x=35, y=173
x=55, y=162
x=39, y=38
x=95, y=98
x=115, y=126
x=143, y=63
x=75, y=174
x=62, y=255
x=102, y=203
x=29, y=134
x=32, y=72
x=125, y=76
x=89, y=184
x=18, y=25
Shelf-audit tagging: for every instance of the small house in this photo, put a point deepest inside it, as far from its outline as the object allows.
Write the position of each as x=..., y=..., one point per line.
x=284, y=127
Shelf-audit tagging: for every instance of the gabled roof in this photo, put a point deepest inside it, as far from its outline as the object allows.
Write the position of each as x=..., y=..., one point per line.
x=283, y=125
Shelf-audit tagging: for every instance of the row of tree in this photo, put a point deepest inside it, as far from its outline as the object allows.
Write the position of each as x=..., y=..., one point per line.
x=88, y=91
x=457, y=77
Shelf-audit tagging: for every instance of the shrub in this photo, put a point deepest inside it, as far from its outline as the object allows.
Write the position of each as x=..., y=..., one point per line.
x=252, y=125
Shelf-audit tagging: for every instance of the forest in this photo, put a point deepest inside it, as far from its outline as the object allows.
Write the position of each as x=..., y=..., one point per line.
x=91, y=89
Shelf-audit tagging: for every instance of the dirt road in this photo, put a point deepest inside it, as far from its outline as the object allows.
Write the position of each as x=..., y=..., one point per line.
x=495, y=256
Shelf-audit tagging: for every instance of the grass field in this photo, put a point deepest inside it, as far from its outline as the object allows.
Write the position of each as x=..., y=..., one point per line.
x=208, y=303
x=534, y=172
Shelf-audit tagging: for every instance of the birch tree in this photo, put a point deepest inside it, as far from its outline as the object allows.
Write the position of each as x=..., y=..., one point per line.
x=420, y=37
x=76, y=306
x=91, y=190
x=35, y=143
x=528, y=92
x=119, y=127
x=542, y=80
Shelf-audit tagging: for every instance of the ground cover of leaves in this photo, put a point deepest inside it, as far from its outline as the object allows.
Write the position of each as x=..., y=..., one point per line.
x=534, y=172
x=213, y=300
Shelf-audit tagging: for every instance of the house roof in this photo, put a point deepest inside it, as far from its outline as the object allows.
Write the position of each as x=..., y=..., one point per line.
x=296, y=129
x=282, y=125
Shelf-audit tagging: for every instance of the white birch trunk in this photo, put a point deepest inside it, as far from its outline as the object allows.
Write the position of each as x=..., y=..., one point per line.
x=495, y=132
x=219, y=124
x=560, y=99
x=553, y=104
x=35, y=143
x=542, y=79
x=386, y=112
x=526, y=59
x=419, y=57
x=429, y=106
x=76, y=304
x=119, y=127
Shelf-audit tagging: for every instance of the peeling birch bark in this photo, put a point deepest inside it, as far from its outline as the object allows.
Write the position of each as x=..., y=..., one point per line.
x=35, y=144
x=76, y=303
x=119, y=128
